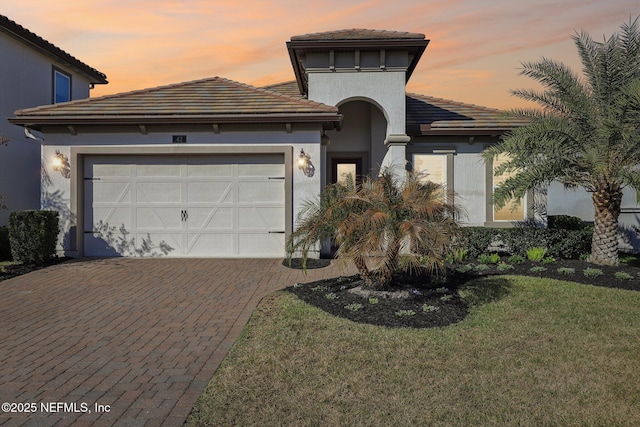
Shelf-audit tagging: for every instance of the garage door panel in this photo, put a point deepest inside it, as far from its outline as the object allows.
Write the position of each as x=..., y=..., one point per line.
x=270, y=219
x=260, y=191
x=209, y=170
x=110, y=170
x=159, y=192
x=219, y=244
x=260, y=170
x=217, y=218
x=112, y=192
x=155, y=244
x=210, y=192
x=112, y=217
x=158, y=218
x=162, y=170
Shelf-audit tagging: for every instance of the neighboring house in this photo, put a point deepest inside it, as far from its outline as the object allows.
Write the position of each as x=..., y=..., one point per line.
x=217, y=168
x=32, y=72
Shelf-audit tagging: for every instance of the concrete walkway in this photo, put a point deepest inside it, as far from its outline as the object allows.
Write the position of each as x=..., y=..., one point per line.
x=140, y=338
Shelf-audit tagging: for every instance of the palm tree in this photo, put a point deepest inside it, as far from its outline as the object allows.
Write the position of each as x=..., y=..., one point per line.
x=587, y=133
x=382, y=225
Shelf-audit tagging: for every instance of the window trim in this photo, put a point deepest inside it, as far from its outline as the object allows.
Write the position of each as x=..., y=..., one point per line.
x=448, y=168
x=503, y=223
x=54, y=71
x=448, y=164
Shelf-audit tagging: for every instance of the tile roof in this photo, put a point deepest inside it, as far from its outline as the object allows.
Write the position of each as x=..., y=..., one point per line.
x=200, y=101
x=289, y=88
x=427, y=115
x=17, y=31
x=358, y=34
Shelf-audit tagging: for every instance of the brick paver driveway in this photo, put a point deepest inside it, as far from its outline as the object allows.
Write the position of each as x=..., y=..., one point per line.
x=141, y=337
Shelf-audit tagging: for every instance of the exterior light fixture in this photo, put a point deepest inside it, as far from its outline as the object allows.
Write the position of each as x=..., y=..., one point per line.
x=61, y=164
x=305, y=165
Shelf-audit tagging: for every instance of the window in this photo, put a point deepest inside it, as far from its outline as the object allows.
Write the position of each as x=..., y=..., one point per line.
x=506, y=213
x=61, y=86
x=431, y=167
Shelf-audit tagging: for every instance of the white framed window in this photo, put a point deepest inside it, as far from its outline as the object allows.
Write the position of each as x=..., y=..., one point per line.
x=61, y=86
x=507, y=212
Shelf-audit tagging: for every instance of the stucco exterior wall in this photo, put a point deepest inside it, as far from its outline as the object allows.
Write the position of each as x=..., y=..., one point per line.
x=385, y=88
x=25, y=81
x=469, y=172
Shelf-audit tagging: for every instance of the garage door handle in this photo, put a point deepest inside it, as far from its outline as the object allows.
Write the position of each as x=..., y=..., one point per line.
x=276, y=177
x=184, y=215
x=276, y=232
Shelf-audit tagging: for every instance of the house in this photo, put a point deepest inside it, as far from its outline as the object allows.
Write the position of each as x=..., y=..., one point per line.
x=217, y=168
x=33, y=72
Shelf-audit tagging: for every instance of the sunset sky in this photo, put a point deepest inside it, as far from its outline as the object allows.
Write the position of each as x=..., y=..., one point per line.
x=474, y=55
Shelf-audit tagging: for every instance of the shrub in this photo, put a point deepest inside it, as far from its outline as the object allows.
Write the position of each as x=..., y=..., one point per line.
x=456, y=256
x=566, y=270
x=383, y=225
x=488, y=259
x=482, y=267
x=519, y=239
x=477, y=240
x=464, y=268
x=33, y=235
x=504, y=267
x=536, y=254
x=405, y=313
x=592, y=272
x=538, y=269
x=5, y=247
x=565, y=222
x=548, y=260
x=560, y=243
x=569, y=244
x=622, y=275
x=353, y=307
x=515, y=260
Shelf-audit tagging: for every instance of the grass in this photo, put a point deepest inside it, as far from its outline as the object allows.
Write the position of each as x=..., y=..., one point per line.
x=532, y=352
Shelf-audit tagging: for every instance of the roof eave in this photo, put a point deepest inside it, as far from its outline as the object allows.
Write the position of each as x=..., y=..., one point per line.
x=415, y=46
x=328, y=120
x=426, y=130
x=48, y=49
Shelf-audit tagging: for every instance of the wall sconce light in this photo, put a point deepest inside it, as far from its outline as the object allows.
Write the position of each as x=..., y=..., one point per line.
x=61, y=164
x=305, y=165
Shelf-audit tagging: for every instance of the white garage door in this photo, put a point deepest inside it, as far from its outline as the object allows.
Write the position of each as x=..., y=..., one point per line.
x=188, y=206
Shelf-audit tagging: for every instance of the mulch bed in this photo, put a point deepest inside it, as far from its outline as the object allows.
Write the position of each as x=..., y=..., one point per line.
x=14, y=270
x=426, y=302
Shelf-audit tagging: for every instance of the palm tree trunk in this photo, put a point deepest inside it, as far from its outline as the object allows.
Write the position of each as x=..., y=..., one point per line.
x=361, y=266
x=604, y=244
x=389, y=266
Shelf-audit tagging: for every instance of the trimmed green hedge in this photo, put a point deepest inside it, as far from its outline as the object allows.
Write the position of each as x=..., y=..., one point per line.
x=560, y=243
x=5, y=247
x=565, y=222
x=33, y=235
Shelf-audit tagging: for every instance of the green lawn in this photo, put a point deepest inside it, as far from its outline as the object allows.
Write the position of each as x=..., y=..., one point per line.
x=532, y=352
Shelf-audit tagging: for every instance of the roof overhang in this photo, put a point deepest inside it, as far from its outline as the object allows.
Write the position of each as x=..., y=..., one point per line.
x=39, y=44
x=297, y=48
x=329, y=121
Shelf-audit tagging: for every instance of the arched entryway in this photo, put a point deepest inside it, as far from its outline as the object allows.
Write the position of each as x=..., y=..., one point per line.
x=359, y=147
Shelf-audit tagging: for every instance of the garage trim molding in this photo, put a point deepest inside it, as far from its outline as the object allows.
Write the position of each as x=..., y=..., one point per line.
x=77, y=174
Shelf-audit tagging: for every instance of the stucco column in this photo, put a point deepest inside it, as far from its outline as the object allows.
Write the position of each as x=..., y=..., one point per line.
x=396, y=158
